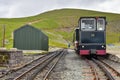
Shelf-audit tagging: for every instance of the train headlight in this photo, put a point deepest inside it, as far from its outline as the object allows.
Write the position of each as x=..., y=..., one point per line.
x=83, y=46
x=100, y=29
x=103, y=46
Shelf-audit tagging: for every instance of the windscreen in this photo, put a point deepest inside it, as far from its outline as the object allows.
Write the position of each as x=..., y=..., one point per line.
x=100, y=24
x=88, y=24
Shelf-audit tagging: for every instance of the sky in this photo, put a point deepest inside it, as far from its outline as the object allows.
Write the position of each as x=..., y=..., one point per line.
x=25, y=8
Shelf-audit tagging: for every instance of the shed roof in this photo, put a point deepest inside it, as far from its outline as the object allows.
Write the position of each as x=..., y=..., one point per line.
x=30, y=26
x=27, y=26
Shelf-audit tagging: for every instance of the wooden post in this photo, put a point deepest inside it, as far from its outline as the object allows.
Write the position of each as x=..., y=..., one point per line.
x=3, y=43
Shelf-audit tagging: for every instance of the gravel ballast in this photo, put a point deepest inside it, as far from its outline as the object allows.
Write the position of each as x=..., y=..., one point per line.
x=73, y=67
x=68, y=68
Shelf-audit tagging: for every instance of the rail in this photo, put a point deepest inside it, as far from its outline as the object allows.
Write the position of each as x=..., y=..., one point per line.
x=47, y=74
x=31, y=77
x=110, y=77
x=93, y=70
x=118, y=74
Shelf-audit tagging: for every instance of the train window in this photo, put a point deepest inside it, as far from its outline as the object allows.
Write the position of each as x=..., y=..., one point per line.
x=88, y=24
x=100, y=24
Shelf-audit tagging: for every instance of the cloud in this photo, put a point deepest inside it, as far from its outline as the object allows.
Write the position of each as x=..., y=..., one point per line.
x=110, y=6
x=22, y=8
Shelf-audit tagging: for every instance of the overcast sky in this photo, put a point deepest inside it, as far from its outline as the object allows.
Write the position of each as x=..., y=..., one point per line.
x=24, y=8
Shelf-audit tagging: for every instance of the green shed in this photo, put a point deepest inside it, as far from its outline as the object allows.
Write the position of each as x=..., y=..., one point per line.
x=29, y=38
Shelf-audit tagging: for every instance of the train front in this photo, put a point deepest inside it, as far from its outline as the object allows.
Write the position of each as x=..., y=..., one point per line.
x=92, y=36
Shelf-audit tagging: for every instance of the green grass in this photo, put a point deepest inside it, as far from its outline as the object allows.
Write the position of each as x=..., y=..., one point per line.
x=45, y=23
x=59, y=25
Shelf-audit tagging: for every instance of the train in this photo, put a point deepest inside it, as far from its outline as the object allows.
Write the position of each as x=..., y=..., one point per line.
x=90, y=36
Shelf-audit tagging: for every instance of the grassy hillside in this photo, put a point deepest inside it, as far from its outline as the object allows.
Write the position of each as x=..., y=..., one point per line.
x=59, y=25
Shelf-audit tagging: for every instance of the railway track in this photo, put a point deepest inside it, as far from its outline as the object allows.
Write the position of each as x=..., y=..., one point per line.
x=93, y=70
x=109, y=71
x=115, y=72
x=46, y=72
x=30, y=71
x=101, y=70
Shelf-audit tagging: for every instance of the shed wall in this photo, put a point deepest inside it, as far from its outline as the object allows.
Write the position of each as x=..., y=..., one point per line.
x=30, y=38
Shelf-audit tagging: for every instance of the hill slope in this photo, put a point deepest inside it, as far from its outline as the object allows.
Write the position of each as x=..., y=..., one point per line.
x=59, y=25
